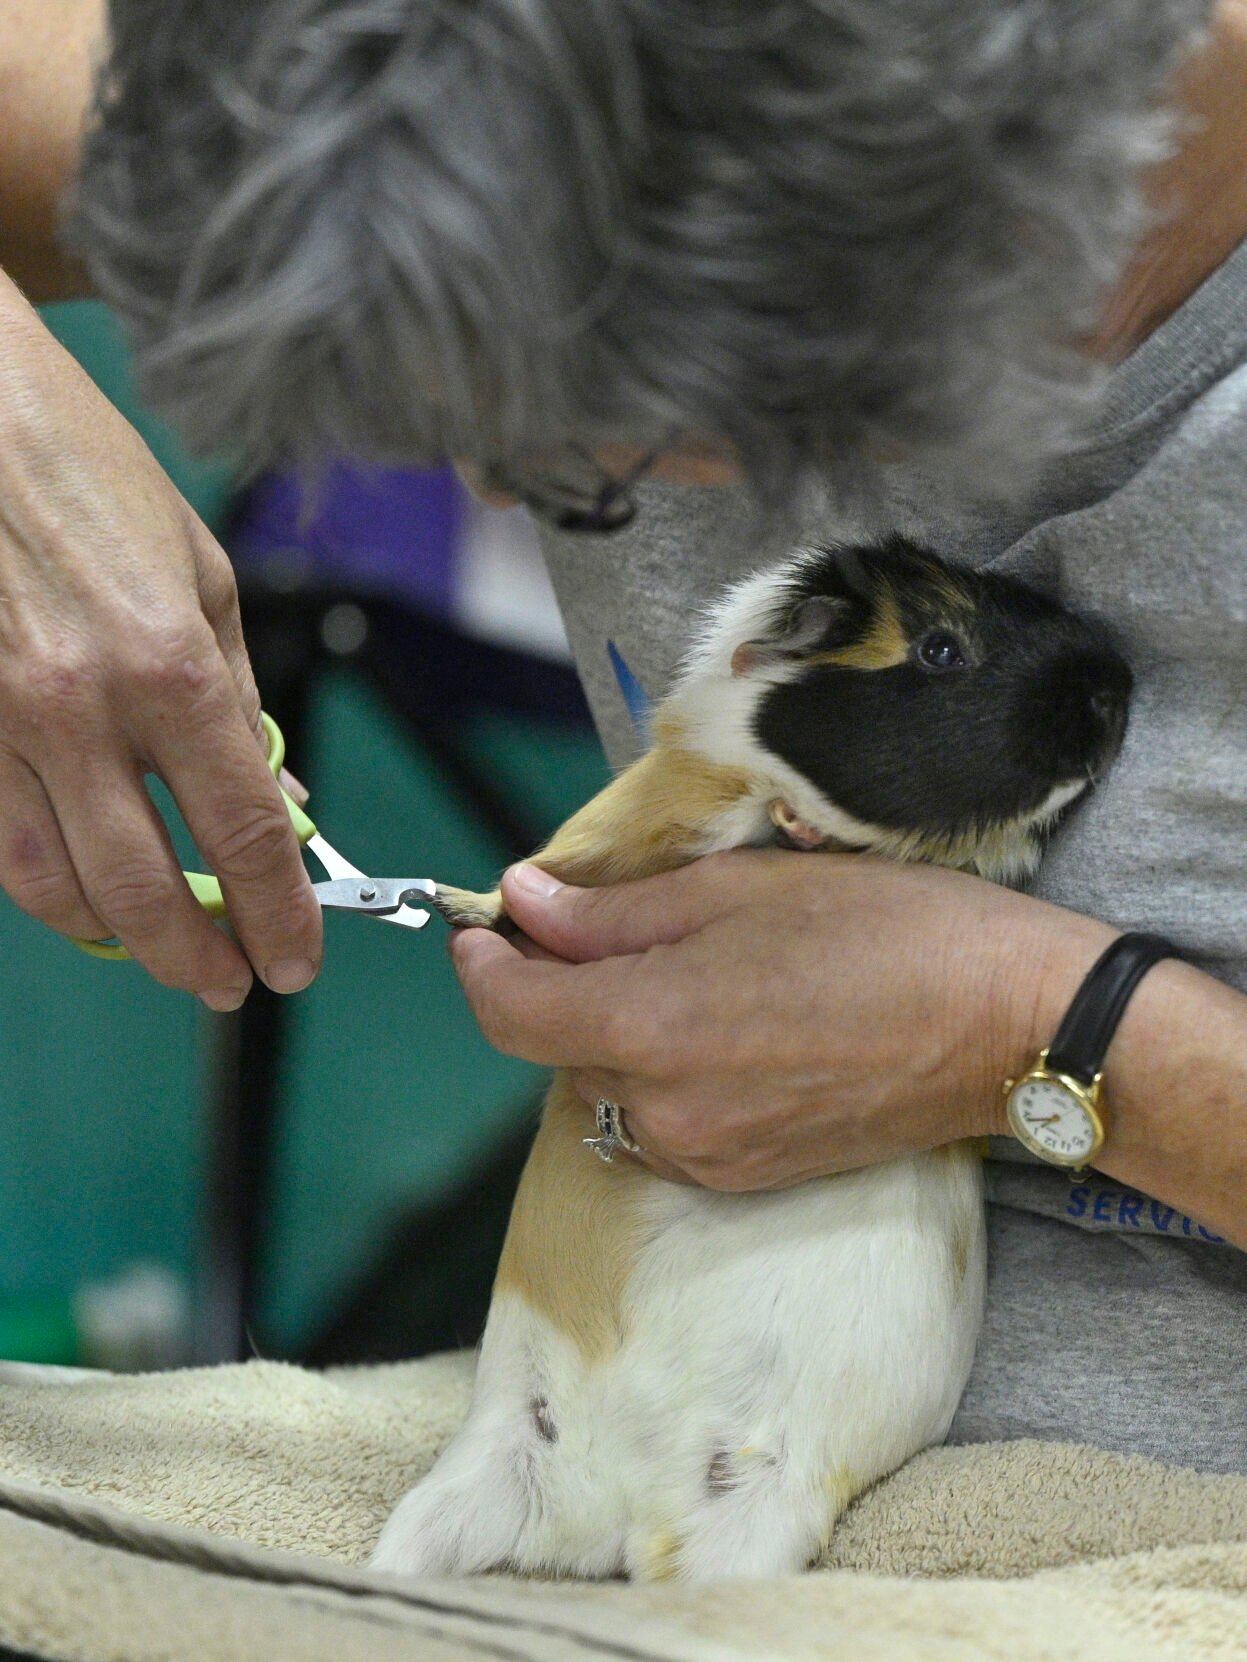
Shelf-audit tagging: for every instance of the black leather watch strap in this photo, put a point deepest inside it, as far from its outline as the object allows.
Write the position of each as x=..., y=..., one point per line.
x=1099, y=1004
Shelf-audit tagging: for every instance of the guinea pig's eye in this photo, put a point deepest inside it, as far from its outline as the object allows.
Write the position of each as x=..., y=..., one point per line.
x=940, y=650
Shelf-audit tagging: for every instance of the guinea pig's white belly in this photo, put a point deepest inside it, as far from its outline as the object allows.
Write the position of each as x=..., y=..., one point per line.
x=828, y=1297
x=781, y=1351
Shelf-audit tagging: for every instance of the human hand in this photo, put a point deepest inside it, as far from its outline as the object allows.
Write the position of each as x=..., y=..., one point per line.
x=121, y=652
x=767, y=1017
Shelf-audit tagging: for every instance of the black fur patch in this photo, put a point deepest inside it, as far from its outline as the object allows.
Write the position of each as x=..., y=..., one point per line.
x=1040, y=700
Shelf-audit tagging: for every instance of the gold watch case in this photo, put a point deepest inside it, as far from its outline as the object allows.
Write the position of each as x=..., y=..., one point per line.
x=1058, y=1118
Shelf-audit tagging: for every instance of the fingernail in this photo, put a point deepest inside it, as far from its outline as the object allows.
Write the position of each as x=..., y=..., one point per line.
x=533, y=880
x=225, y=999
x=291, y=975
x=293, y=787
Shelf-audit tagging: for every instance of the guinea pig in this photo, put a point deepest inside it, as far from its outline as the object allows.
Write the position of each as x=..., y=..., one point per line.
x=680, y=1383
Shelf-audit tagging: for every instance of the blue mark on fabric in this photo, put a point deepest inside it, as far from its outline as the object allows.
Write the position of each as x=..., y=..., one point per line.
x=634, y=695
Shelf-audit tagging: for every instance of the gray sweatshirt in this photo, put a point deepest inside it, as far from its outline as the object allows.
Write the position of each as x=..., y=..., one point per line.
x=1112, y=1319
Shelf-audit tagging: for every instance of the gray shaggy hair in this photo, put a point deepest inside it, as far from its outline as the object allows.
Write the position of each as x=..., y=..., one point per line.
x=406, y=229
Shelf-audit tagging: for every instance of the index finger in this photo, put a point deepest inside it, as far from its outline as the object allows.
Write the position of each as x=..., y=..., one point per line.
x=231, y=803
x=548, y=1011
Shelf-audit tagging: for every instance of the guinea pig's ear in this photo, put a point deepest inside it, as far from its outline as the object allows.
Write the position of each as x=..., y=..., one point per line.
x=851, y=570
x=808, y=626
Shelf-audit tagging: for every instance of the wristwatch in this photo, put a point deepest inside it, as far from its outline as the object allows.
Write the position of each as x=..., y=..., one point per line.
x=1055, y=1108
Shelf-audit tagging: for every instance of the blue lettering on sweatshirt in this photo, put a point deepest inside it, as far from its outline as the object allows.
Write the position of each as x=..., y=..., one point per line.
x=1125, y=1210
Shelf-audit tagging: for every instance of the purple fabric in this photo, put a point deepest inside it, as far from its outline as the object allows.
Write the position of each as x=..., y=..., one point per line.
x=385, y=530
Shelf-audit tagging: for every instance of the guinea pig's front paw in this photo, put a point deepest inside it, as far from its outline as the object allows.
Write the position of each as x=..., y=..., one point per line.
x=464, y=910
x=799, y=832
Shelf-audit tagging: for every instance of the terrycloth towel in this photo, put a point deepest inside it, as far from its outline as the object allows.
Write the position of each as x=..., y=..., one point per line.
x=221, y=1515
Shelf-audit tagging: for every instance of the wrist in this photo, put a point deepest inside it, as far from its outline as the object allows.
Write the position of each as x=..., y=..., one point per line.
x=1047, y=962
x=18, y=317
x=30, y=358
x=1175, y=1080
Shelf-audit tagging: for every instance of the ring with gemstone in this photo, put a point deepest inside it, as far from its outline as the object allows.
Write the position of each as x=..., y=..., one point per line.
x=612, y=1132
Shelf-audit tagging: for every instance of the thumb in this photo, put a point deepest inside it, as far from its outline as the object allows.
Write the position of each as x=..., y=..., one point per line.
x=557, y=1014
x=584, y=925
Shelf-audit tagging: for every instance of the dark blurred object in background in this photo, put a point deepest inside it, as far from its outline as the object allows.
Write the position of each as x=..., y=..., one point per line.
x=429, y=1287
x=402, y=574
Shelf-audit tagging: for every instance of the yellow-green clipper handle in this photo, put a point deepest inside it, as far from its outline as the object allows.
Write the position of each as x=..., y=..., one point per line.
x=204, y=887
x=304, y=830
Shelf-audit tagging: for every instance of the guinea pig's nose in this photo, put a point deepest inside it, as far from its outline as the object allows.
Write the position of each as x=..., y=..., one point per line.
x=1078, y=718
x=1107, y=705
x=1108, y=695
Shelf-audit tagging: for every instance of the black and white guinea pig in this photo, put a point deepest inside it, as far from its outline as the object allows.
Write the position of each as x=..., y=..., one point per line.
x=914, y=708
x=676, y=1383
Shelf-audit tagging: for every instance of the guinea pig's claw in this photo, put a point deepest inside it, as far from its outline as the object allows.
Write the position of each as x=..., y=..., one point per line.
x=799, y=832
x=463, y=909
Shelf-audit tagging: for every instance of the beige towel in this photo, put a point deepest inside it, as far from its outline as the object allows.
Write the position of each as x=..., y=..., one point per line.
x=223, y=1514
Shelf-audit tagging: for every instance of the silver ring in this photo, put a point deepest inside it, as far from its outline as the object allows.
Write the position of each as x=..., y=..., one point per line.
x=612, y=1132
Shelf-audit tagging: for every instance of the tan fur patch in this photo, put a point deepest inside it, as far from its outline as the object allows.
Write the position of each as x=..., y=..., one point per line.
x=1001, y=853
x=841, y=1487
x=575, y=1226
x=657, y=815
x=959, y=1249
x=574, y=1229
x=662, y=1556
x=465, y=909
x=952, y=596
x=962, y=1238
x=884, y=645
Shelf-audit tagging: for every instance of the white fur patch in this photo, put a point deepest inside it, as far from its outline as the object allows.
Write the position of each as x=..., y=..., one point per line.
x=783, y=1351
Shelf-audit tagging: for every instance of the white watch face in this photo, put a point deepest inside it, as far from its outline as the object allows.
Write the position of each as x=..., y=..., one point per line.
x=1052, y=1121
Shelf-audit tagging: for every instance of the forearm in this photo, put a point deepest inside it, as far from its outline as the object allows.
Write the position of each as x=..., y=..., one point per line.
x=32, y=363
x=1175, y=1087
x=48, y=51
